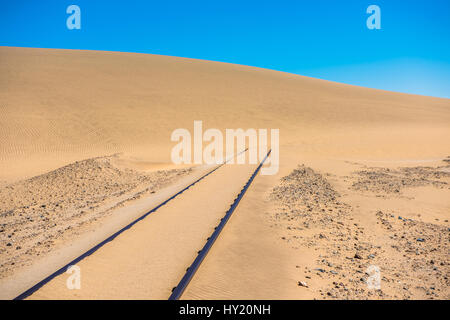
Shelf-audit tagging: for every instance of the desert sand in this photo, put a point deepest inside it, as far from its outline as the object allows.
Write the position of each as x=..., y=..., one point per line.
x=343, y=199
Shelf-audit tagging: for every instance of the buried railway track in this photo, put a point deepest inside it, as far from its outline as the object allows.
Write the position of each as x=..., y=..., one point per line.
x=92, y=250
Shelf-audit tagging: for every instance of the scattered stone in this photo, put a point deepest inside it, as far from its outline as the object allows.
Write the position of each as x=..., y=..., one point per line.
x=304, y=201
x=38, y=208
x=357, y=256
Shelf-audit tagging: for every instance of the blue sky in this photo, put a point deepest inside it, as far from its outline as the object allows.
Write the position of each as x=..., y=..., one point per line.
x=323, y=39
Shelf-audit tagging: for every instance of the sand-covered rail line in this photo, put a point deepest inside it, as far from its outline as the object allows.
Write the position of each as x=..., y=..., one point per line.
x=63, y=269
x=184, y=282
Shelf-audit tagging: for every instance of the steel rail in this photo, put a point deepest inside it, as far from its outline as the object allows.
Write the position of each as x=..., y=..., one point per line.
x=179, y=289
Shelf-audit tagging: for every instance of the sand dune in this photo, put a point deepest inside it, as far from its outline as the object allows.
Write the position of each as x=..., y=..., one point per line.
x=58, y=106
x=62, y=106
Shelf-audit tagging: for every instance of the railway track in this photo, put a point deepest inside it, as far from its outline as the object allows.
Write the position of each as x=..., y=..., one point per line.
x=182, y=285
